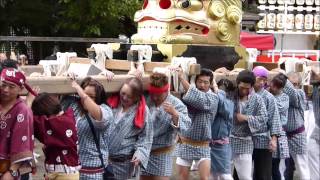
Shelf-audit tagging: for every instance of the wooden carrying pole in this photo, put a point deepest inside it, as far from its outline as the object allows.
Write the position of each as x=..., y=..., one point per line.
x=62, y=85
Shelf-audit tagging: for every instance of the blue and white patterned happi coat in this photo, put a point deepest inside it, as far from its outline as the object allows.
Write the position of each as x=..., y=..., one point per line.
x=297, y=143
x=165, y=135
x=202, y=107
x=316, y=108
x=262, y=138
x=88, y=153
x=241, y=134
x=126, y=139
x=282, y=151
x=221, y=154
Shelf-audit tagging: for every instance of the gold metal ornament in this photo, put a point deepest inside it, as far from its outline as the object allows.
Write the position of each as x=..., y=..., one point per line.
x=234, y=14
x=216, y=9
x=223, y=32
x=189, y=22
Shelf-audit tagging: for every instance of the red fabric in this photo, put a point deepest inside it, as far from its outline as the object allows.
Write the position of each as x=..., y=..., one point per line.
x=59, y=135
x=158, y=90
x=114, y=101
x=16, y=130
x=17, y=77
x=265, y=58
x=261, y=42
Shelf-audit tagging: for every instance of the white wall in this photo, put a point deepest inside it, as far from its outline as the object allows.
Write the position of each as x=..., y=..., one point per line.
x=296, y=41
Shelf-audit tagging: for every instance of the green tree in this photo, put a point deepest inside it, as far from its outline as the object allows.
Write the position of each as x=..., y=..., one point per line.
x=85, y=18
x=89, y=18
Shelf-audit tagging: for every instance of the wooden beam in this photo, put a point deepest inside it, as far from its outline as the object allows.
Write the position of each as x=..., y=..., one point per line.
x=267, y=65
x=59, y=39
x=29, y=69
x=120, y=65
x=79, y=60
x=123, y=65
x=62, y=85
x=149, y=66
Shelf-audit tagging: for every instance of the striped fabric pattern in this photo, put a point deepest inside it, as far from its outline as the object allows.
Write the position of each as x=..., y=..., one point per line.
x=272, y=126
x=125, y=139
x=165, y=135
x=316, y=103
x=297, y=143
x=241, y=134
x=88, y=153
x=202, y=107
x=282, y=151
x=316, y=108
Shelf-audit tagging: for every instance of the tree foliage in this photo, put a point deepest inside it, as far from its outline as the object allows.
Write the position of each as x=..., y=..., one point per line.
x=85, y=18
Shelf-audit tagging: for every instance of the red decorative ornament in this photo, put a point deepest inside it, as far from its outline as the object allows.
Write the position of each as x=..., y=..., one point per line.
x=205, y=30
x=165, y=4
x=145, y=4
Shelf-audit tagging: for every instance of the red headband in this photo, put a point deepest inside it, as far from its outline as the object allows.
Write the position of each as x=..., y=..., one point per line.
x=158, y=90
x=15, y=76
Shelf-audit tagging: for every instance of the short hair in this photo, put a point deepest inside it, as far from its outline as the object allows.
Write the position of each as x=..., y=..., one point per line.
x=136, y=86
x=9, y=63
x=246, y=76
x=295, y=75
x=227, y=84
x=99, y=89
x=279, y=80
x=205, y=72
x=158, y=79
x=46, y=104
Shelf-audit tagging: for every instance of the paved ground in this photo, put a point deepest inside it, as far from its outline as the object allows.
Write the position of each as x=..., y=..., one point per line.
x=41, y=171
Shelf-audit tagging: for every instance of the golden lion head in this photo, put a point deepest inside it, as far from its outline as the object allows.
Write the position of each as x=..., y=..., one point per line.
x=189, y=22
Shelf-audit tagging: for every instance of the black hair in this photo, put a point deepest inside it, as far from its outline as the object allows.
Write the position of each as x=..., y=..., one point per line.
x=205, y=72
x=8, y=63
x=46, y=104
x=279, y=80
x=226, y=84
x=99, y=89
x=246, y=76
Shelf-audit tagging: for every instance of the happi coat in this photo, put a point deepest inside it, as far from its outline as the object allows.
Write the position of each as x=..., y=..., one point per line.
x=164, y=135
x=126, y=140
x=16, y=135
x=316, y=108
x=88, y=153
x=59, y=136
x=241, y=133
x=202, y=108
x=282, y=151
x=272, y=126
x=297, y=136
x=221, y=152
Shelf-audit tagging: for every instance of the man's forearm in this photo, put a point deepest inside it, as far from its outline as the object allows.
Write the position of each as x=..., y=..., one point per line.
x=185, y=84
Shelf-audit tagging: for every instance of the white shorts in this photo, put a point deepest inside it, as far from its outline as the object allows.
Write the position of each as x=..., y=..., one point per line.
x=188, y=163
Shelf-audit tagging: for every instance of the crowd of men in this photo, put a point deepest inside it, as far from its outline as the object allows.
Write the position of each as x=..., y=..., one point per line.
x=226, y=130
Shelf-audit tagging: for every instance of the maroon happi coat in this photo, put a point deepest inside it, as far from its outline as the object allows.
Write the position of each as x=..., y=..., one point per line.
x=59, y=135
x=16, y=133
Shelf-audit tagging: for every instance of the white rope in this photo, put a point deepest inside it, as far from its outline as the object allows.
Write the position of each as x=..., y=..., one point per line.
x=63, y=60
x=184, y=63
x=103, y=51
x=144, y=52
